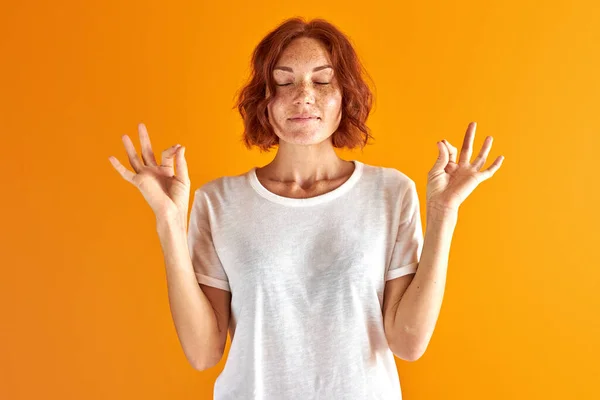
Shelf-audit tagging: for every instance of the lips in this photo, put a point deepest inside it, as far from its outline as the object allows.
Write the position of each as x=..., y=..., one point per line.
x=304, y=116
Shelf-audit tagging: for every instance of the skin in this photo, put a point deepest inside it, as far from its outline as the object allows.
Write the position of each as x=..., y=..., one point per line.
x=412, y=303
x=306, y=163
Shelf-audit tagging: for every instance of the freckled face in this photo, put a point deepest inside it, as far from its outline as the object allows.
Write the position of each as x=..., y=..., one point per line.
x=303, y=90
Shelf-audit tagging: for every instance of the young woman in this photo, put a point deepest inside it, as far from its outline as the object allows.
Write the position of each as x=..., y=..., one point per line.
x=317, y=266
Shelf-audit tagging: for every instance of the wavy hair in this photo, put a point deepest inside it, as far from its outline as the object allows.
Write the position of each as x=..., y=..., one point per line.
x=357, y=97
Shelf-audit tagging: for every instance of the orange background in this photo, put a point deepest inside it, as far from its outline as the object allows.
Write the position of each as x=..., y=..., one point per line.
x=84, y=306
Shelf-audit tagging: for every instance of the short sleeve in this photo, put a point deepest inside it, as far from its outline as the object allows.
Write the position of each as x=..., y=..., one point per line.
x=409, y=241
x=205, y=260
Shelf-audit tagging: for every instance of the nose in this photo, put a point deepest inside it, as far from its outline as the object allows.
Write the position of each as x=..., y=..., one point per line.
x=305, y=95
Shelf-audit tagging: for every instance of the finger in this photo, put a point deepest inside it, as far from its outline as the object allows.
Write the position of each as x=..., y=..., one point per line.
x=134, y=159
x=467, y=148
x=125, y=173
x=167, y=156
x=451, y=151
x=442, y=159
x=488, y=173
x=181, y=169
x=483, y=153
x=147, y=153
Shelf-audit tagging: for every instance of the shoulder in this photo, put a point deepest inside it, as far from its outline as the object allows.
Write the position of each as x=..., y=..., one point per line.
x=219, y=189
x=390, y=177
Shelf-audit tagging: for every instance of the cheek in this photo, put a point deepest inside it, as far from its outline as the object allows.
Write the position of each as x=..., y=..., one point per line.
x=330, y=95
x=277, y=104
x=332, y=100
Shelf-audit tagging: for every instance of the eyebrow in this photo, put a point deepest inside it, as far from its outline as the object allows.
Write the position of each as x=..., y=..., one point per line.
x=314, y=69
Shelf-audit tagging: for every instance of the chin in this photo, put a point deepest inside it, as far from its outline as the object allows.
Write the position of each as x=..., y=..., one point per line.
x=304, y=138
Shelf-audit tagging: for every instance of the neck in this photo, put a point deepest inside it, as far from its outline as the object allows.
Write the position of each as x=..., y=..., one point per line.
x=305, y=165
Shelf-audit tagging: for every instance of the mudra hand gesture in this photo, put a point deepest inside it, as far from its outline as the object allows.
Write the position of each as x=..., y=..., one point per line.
x=449, y=183
x=166, y=192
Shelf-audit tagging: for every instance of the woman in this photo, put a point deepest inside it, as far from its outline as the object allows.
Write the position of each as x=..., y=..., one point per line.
x=305, y=260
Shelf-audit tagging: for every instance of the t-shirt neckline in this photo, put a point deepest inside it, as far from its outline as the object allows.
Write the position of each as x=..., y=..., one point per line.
x=322, y=198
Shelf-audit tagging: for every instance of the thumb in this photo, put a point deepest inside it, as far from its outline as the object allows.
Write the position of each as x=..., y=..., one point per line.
x=181, y=169
x=442, y=159
x=168, y=155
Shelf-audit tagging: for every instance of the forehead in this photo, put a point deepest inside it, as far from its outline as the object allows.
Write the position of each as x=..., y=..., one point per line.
x=303, y=53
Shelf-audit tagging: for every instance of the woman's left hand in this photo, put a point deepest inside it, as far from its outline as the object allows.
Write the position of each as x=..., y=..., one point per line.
x=448, y=182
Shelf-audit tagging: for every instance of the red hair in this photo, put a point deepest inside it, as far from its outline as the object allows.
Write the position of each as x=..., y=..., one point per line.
x=356, y=95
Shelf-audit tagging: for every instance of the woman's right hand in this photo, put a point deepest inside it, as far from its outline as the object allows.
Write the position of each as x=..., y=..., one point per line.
x=167, y=193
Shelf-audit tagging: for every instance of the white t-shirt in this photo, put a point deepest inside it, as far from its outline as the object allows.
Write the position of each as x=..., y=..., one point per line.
x=307, y=279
